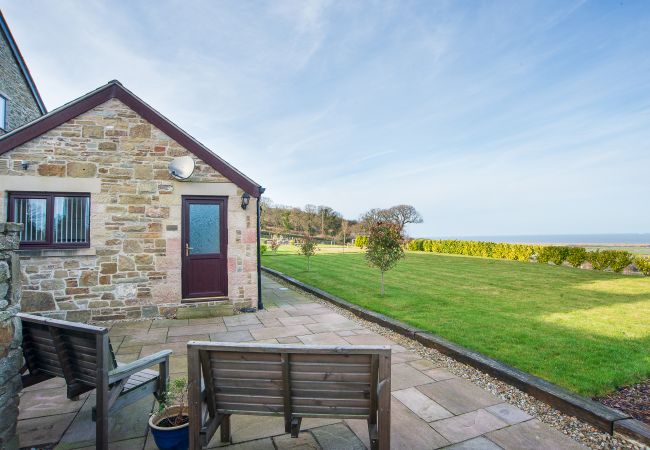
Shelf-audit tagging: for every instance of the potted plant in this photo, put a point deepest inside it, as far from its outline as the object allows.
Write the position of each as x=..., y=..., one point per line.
x=170, y=424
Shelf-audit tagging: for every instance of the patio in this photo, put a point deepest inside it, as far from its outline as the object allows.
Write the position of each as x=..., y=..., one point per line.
x=431, y=408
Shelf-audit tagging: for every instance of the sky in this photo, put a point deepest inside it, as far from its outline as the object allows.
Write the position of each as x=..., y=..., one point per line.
x=490, y=117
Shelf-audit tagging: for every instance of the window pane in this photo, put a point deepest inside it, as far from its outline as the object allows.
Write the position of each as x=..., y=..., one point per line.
x=71, y=220
x=31, y=213
x=204, y=229
x=3, y=113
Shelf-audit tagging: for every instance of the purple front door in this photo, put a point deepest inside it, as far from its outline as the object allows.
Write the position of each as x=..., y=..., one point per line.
x=205, y=244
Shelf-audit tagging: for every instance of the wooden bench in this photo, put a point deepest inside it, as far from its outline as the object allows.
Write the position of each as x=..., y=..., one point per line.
x=293, y=381
x=83, y=356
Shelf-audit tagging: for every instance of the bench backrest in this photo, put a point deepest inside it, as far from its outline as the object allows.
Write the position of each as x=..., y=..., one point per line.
x=70, y=350
x=300, y=380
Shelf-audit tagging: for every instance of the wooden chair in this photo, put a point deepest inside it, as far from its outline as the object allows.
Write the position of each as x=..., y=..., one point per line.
x=293, y=381
x=83, y=356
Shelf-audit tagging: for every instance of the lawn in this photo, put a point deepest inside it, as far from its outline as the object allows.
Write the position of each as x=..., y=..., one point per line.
x=585, y=330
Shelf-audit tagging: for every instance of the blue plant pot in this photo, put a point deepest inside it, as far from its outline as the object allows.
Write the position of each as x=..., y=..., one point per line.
x=169, y=438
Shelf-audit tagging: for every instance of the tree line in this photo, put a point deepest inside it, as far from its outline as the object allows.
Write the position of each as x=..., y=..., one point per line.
x=324, y=222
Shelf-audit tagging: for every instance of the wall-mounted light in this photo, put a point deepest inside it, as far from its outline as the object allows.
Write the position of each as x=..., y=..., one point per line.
x=245, y=200
x=25, y=165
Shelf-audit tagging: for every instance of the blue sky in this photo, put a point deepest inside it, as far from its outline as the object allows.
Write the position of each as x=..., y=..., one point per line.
x=490, y=117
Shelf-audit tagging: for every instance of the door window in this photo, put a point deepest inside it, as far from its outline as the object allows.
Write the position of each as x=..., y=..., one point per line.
x=204, y=232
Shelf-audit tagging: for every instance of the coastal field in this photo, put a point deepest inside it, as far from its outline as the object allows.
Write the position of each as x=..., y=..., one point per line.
x=585, y=330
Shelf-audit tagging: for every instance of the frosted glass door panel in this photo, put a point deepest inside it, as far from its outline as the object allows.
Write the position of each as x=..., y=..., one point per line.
x=204, y=230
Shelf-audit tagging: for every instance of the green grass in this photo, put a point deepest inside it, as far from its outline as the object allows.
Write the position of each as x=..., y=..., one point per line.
x=585, y=330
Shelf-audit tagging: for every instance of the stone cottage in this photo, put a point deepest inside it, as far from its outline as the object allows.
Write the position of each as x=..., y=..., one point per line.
x=20, y=101
x=109, y=232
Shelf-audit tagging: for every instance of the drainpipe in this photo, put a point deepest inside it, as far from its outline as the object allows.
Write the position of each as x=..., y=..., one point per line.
x=260, y=305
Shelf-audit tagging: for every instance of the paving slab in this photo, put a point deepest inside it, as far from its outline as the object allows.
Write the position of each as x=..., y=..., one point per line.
x=479, y=443
x=252, y=326
x=41, y=431
x=276, y=332
x=47, y=402
x=439, y=374
x=241, y=319
x=187, y=338
x=295, y=320
x=130, y=422
x=304, y=441
x=329, y=317
x=336, y=326
x=467, y=426
x=402, y=357
x=205, y=320
x=270, y=321
x=323, y=339
x=404, y=376
x=337, y=436
x=422, y=364
x=247, y=428
x=459, y=396
x=532, y=435
x=129, y=444
x=425, y=408
x=168, y=323
x=196, y=329
x=153, y=337
x=177, y=348
x=232, y=336
x=407, y=431
x=259, y=444
x=510, y=414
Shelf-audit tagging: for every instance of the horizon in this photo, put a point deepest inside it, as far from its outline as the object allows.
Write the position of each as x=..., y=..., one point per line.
x=499, y=119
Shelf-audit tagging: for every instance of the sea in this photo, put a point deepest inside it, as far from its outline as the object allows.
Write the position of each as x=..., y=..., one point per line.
x=596, y=239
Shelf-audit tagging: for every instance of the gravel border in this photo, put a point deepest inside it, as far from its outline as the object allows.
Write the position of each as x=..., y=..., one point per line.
x=571, y=426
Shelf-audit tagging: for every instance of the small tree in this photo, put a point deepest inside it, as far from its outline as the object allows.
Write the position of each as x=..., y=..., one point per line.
x=274, y=243
x=308, y=248
x=384, y=248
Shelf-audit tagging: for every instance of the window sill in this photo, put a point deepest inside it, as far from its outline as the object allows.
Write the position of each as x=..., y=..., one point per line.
x=91, y=251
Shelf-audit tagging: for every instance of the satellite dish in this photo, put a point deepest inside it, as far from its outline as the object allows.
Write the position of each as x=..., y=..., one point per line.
x=181, y=168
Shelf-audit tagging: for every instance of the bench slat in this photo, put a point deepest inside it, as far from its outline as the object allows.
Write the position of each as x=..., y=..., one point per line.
x=331, y=359
x=239, y=356
x=330, y=367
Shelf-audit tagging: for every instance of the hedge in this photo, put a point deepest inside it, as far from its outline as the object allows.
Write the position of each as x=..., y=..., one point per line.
x=616, y=260
x=643, y=264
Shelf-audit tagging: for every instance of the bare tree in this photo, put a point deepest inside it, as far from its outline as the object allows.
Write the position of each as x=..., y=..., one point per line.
x=401, y=215
x=372, y=217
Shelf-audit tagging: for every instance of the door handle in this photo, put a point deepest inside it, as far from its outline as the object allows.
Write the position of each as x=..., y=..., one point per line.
x=187, y=249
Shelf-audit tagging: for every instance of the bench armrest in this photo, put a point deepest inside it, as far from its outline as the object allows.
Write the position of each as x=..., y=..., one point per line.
x=121, y=372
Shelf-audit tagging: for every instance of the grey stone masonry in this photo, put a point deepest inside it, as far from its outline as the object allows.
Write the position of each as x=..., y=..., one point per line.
x=10, y=334
x=21, y=105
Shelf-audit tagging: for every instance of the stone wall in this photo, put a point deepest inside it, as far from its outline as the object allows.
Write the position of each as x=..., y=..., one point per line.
x=21, y=105
x=10, y=335
x=133, y=267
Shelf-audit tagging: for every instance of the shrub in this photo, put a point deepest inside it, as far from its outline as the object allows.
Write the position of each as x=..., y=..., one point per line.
x=543, y=254
x=601, y=259
x=620, y=260
x=361, y=241
x=263, y=249
x=576, y=256
x=643, y=264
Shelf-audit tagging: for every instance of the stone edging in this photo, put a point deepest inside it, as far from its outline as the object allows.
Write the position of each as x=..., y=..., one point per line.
x=598, y=415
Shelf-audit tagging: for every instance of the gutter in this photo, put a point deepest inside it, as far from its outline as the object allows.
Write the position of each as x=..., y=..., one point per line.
x=260, y=304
